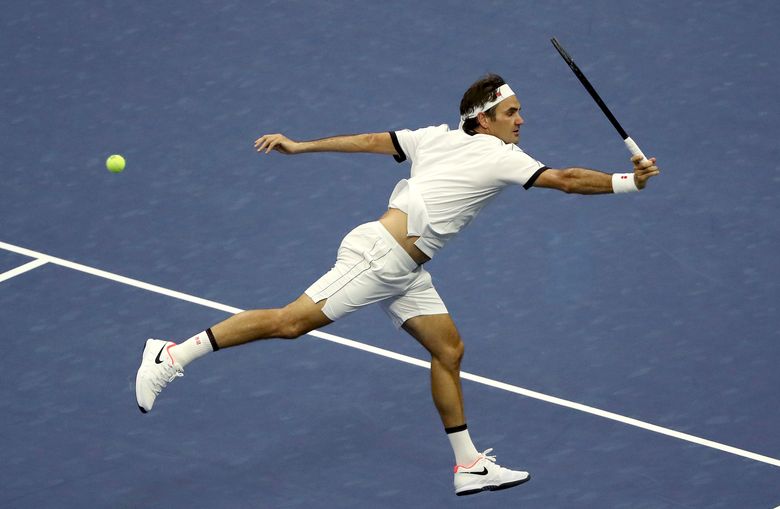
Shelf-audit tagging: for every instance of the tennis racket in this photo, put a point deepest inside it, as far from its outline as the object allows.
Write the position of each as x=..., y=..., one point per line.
x=630, y=144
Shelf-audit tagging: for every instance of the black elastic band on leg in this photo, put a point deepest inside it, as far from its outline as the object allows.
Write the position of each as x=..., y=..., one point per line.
x=214, y=345
x=455, y=429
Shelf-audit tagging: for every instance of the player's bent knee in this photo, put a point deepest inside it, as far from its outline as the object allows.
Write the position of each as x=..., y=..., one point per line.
x=451, y=355
x=458, y=351
x=292, y=326
x=292, y=330
x=300, y=317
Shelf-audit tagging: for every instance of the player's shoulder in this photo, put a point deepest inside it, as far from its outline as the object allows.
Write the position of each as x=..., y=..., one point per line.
x=426, y=129
x=421, y=133
x=435, y=130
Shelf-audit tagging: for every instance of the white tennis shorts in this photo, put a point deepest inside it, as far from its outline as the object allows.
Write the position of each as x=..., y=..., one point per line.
x=372, y=267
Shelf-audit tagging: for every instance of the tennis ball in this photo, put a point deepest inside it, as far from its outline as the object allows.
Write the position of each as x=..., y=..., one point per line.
x=115, y=163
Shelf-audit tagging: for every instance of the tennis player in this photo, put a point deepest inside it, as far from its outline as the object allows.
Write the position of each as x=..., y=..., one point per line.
x=454, y=174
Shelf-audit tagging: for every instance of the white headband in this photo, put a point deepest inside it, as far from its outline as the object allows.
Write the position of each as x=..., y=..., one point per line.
x=502, y=93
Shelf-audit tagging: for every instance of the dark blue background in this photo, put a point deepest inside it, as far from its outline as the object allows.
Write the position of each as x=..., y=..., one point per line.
x=660, y=306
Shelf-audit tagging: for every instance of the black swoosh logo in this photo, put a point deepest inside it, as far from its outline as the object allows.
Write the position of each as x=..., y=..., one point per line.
x=157, y=359
x=484, y=472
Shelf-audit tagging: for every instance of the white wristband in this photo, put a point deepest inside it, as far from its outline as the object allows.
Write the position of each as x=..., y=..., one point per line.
x=623, y=183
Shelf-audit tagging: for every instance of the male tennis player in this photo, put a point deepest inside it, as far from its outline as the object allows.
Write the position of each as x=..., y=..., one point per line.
x=454, y=173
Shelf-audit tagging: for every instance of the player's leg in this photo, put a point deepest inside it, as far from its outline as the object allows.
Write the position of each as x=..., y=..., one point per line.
x=438, y=335
x=474, y=471
x=299, y=317
x=162, y=361
x=295, y=319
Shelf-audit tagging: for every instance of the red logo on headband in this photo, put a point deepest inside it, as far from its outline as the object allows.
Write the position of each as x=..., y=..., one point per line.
x=498, y=93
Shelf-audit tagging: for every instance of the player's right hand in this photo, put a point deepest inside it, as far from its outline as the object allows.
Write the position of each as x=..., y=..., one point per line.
x=278, y=142
x=644, y=169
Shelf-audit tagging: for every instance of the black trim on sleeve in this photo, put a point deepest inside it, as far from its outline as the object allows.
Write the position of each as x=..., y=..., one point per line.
x=400, y=157
x=535, y=176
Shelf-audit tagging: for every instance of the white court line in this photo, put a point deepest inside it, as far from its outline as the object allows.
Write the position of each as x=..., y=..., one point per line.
x=22, y=269
x=44, y=258
x=41, y=259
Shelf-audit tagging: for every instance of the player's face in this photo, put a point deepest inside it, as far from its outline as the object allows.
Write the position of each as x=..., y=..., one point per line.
x=506, y=125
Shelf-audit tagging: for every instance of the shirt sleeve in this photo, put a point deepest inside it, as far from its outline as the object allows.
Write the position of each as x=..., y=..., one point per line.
x=517, y=167
x=406, y=141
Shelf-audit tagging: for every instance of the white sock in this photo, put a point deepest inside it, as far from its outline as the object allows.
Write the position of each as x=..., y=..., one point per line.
x=197, y=346
x=465, y=452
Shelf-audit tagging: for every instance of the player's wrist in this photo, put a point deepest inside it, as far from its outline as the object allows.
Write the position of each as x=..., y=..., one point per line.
x=624, y=183
x=301, y=147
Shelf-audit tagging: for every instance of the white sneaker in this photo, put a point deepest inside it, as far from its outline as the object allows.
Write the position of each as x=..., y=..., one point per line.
x=158, y=368
x=486, y=475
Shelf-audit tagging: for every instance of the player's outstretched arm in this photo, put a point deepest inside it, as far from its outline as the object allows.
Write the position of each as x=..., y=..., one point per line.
x=374, y=143
x=586, y=181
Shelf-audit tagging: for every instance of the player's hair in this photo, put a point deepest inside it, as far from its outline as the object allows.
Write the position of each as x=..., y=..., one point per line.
x=480, y=92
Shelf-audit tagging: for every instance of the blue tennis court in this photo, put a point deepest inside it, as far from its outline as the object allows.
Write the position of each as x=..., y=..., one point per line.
x=623, y=349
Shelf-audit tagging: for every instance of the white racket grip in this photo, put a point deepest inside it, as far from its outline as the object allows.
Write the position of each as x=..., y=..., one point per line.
x=634, y=148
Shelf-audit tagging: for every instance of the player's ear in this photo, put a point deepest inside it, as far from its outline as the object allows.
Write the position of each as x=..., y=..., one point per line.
x=483, y=120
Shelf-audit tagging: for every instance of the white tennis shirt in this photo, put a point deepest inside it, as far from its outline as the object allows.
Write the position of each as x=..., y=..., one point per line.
x=454, y=175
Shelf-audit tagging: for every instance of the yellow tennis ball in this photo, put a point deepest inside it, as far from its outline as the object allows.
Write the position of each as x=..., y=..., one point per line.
x=115, y=163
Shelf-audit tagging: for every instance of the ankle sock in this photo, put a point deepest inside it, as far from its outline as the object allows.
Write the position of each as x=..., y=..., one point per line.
x=197, y=346
x=465, y=452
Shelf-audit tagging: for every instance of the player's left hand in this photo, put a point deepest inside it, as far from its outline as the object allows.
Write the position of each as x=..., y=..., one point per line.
x=644, y=170
x=278, y=142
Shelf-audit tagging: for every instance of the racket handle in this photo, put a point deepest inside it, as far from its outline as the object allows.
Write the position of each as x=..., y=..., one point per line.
x=634, y=148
